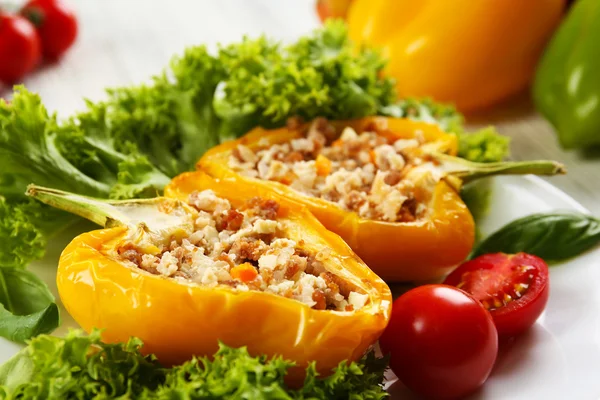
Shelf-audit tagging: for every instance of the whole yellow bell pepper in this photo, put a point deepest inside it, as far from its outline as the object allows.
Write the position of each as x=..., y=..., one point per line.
x=472, y=53
x=176, y=319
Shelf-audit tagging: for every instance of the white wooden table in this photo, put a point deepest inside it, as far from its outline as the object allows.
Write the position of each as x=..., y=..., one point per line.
x=126, y=41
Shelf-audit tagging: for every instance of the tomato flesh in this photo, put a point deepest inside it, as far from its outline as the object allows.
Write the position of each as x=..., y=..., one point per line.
x=514, y=288
x=442, y=342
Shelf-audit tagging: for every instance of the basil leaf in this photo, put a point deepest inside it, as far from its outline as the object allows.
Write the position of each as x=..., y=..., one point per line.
x=553, y=237
x=27, y=307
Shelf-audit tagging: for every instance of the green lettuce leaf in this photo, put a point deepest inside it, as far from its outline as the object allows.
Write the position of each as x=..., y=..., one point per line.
x=82, y=367
x=21, y=241
x=27, y=308
x=320, y=75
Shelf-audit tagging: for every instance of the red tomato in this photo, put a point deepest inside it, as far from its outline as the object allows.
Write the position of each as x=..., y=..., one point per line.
x=19, y=48
x=442, y=342
x=56, y=24
x=514, y=288
x=332, y=9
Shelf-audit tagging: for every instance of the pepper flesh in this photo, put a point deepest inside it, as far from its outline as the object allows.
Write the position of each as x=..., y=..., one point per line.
x=408, y=251
x=470, y=53
x=567, y=87
x=177, y=320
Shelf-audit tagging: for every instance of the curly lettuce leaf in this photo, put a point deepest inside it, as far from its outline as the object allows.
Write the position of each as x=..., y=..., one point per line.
x=29, y=150
x=35, y=148
x=320, y=75
x=21, y=241
x=170, y=121
x=79, y=366
x=484, y=145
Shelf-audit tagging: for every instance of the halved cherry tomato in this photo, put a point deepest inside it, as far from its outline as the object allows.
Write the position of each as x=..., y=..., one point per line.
x=442, y=342
x=56, y=24
x=19, y=48
x=514, y=288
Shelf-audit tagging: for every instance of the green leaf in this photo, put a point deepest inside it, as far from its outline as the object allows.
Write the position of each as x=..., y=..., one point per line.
x=27, y=307
x=553, y=236
x=29, y=150
x=484, y=146
x=16, y=371
x=321, y=74
x=82, y=367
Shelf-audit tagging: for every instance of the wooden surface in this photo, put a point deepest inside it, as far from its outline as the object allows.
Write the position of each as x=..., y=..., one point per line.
x=126, y=41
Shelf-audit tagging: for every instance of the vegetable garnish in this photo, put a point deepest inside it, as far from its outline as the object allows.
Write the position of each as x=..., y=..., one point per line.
x=83, y=367
x=550, y=236
x=513, y=287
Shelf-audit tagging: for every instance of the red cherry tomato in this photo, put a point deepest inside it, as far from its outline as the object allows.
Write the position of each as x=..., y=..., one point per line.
x=19, y=48
x=442, y=342
x=332, y=8
x=56, y=24
x=514, y=288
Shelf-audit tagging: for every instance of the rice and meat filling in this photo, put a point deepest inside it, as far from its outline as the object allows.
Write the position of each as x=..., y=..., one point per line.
x=245, y=250
x=367, y=173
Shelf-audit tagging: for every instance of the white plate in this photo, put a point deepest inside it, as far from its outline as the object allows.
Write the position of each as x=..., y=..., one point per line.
x=558, y=359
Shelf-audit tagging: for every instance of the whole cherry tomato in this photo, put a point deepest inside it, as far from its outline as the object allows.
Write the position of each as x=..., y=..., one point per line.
x=332, y=8
x=442, y=342
x=19, y=47
x=514, y=288
x=56, y=24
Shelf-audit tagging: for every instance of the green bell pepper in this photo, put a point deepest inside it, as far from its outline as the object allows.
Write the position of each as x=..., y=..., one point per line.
x=566, y=89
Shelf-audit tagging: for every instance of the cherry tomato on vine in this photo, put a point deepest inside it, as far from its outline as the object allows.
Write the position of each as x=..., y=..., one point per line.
x=19, y=47
x=514, y=288
x=55, y=23
x=442, y=342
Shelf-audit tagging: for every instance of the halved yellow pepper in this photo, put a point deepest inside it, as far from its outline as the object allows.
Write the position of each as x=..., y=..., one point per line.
x=425, y=249
x=177, y=320
x=420, y=250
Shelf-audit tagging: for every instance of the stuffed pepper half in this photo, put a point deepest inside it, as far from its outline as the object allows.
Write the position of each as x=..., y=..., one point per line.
x=388, y=187
x=222, y=264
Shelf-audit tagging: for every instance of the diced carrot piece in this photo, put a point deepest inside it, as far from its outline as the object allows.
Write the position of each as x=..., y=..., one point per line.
x=337, y=143
x=323, y=165
x=372, y=156
x=245, y=272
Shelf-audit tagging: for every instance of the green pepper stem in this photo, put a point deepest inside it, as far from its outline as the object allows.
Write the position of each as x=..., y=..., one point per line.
x=469, y=171
x=110, y=213
x=99, y=211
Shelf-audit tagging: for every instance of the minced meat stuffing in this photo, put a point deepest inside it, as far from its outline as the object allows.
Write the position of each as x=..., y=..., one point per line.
x=245, y=249
x=367, y=173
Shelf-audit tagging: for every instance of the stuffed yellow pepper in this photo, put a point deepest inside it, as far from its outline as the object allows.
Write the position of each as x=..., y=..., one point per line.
x=388, y=187
x=219, y=264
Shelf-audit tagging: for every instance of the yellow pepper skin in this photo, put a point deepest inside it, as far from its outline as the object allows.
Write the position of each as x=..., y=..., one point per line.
x=408, y=251
x=472, y=53
x=178, y=320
